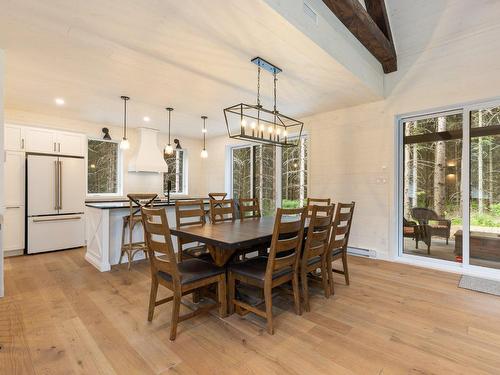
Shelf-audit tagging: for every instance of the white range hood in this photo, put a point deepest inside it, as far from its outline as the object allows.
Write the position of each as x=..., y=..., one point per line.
x=149, y=157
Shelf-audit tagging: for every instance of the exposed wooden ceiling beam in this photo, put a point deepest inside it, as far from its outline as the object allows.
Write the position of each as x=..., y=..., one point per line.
x=370, y=27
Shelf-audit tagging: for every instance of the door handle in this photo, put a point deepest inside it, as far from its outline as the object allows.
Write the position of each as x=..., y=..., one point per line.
x=7, y=207
x=56, y=186
x=41, y=220
x=60, y=185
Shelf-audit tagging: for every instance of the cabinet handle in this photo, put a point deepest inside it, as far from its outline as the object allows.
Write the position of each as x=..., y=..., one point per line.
x=54, y=146
x=22, y=143
x=7, y=207
x=59, y=147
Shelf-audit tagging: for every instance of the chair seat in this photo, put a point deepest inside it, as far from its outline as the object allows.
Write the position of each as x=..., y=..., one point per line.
x=195, y=251
x=135, y=218
x=192, y=270
x=255, y=268
x=409, y=230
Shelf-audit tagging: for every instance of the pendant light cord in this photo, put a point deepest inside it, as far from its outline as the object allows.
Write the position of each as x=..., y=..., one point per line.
x=125, y=118
x=169, y=112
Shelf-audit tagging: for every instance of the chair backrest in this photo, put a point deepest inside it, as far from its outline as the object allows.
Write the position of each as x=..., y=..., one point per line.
x=318, y=232
x=138, y=200
x=286, y=242
x=423, y=215
x=341, y=227
x=188, y=212
x=318, y=202
x=222, y=210
x=158, y=240
x=217, y=196
x=249, y=208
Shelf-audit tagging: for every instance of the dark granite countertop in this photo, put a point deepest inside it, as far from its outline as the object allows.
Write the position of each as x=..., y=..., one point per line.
x=113, y=204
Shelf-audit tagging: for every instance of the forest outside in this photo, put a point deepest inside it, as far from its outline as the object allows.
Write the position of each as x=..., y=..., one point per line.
x=433, y=168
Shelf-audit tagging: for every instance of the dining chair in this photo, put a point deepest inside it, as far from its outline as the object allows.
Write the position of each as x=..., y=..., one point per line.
x=222, y=210
x=314, y=254
x=341, y=228
x=316, y=201
x=281, y=266
x=189, y=213
x=249, y=208
x=181, y=278
x=131, y=248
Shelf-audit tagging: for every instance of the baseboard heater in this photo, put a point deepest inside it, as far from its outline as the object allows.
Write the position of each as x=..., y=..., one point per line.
x=357, y=251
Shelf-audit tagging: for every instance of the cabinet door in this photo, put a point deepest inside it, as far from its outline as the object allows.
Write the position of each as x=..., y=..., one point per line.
x=14, y=178
x=40, y=140
x=71, y=144
x=13, y=228
x=13, y=138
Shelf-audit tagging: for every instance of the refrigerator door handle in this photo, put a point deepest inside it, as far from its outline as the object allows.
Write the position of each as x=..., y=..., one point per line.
x=56, y=186
x=64, y=218
x=60, y=185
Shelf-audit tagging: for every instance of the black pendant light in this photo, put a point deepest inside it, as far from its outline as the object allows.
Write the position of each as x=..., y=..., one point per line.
x=204, y=152
x=169, y=150
x=124, y=144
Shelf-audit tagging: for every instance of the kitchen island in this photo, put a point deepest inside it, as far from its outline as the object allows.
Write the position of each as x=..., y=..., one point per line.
x=103, y=231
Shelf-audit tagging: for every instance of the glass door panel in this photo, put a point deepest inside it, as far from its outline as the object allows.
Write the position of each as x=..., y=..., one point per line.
x=432, y=169
x=242, y=172
x=484, y=242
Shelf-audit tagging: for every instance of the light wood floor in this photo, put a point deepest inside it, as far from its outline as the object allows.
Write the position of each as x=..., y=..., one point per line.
x=61, y=316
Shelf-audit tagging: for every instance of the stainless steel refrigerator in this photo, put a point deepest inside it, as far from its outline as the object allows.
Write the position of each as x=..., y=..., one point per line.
x=55, y=192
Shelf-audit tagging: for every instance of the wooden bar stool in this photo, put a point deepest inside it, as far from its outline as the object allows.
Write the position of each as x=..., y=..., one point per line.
x=136, y=201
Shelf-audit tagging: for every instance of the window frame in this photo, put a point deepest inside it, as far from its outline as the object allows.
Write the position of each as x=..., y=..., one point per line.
x=185, y=179
x=119, y=170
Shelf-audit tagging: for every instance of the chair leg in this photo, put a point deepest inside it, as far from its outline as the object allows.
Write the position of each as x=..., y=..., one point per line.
x=222, y=296
x=330, y=273
x=175, y=315
x=296, y=293
x=123, y=242
x=305, y=290
x=152, y=298
x=346, y=269
x=324, y=278
x=231, y=292
x=269, y=308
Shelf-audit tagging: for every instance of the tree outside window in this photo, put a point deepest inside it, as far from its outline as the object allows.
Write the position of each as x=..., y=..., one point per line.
x=294, y=175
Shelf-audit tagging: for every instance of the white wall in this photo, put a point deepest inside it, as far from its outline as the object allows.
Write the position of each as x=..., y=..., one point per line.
x=132, y=182
x=1, y=166
x=447, y=54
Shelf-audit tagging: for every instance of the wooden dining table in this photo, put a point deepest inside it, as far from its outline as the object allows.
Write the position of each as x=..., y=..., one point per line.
x=226, y=238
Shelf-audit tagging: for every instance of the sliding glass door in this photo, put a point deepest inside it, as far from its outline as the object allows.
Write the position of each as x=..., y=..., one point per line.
x=450, y=186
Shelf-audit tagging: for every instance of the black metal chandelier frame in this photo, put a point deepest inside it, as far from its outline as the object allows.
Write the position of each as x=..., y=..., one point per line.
x=278, y=125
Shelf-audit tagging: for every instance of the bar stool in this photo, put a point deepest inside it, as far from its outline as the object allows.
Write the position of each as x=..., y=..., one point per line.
x=136, y=201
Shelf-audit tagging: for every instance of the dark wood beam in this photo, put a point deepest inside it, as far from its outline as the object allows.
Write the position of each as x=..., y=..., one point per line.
x=377, y=39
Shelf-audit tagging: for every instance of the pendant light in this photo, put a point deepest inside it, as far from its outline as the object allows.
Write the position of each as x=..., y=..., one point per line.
x=204, y=153
x=124, y=144
x=169, y=150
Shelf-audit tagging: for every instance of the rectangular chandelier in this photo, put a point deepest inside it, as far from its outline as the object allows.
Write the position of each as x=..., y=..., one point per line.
x=253, y=122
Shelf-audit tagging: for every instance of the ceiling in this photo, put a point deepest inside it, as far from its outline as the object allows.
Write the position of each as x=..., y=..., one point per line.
x=193, y=55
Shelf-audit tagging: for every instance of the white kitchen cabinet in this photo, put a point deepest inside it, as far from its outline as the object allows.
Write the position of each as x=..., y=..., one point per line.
x=40, y=140
x=13, y=228
x=13, y=138
x=14, y=178
x=70, y=144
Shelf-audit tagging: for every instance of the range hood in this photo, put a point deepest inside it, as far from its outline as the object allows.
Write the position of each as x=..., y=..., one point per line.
x=148, y=157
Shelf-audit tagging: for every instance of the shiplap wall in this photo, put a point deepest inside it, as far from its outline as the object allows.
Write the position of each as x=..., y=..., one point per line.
x=1, y=164
x=132, y=182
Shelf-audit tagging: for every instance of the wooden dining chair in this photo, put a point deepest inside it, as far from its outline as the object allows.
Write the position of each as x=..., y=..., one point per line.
x=131, y=248
x=341, y=228
x=281, y=266
x=316, y=201
x=189, y=213
x=181, y=278
x=249, y=208
x=314, y=255
x=222, y=210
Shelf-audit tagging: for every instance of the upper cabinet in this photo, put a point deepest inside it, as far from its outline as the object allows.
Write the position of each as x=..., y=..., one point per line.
x=45, y=141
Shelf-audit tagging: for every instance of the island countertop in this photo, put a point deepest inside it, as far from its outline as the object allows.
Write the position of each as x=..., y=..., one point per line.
x=114, y=204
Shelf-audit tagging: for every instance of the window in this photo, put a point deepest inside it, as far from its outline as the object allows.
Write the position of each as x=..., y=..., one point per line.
x=102, y=167
x=257, y=169
x=176, y=172
x=294, y=175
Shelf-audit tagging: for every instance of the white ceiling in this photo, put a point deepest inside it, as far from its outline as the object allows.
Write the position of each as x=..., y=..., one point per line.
x=192, y=55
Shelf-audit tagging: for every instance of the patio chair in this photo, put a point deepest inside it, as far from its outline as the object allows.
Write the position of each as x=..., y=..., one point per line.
x=434, y=224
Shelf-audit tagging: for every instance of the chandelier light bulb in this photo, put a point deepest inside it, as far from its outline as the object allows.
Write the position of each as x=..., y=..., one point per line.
x=169, y=150
x=204, y=154
x=253, y=125
x=243, y=123
x=124, y=144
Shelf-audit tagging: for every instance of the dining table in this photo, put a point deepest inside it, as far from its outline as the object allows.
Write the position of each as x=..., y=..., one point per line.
x=224, y=239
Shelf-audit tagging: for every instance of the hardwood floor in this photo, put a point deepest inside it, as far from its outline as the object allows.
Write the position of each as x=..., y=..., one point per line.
x=61, y=316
